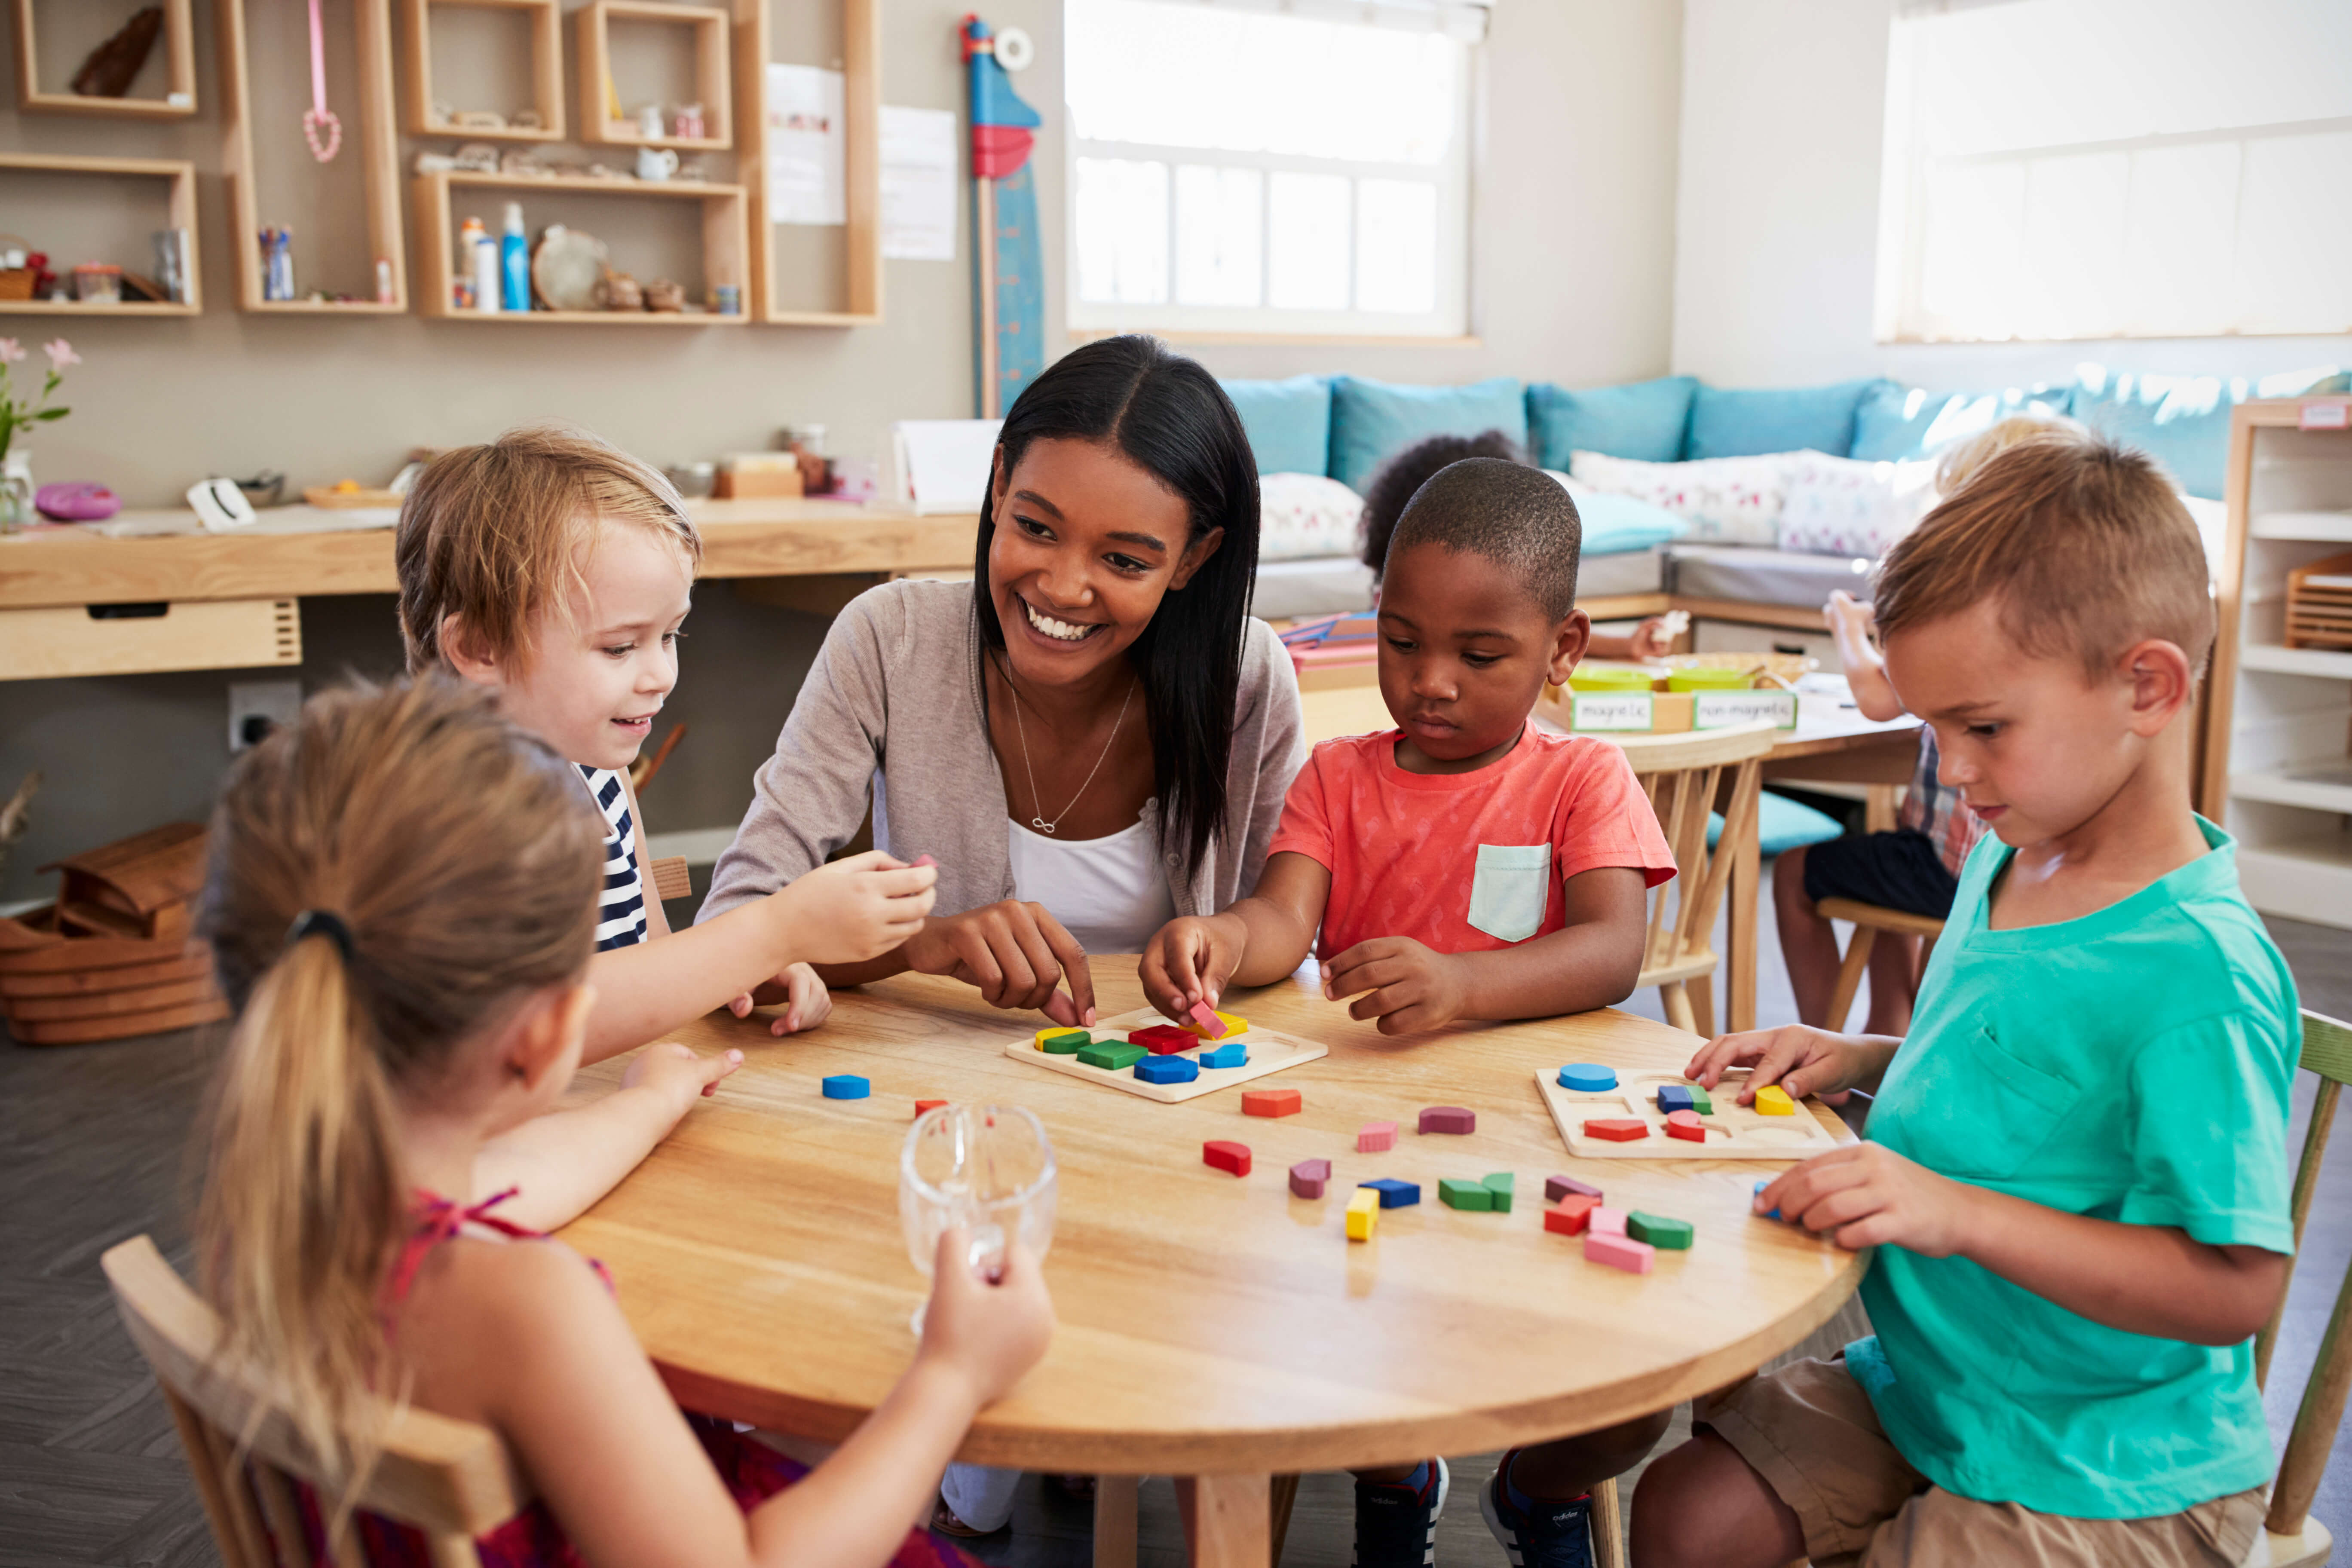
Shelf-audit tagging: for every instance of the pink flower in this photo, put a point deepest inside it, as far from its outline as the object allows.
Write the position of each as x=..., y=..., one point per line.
x=60, y=353
x=10, y=350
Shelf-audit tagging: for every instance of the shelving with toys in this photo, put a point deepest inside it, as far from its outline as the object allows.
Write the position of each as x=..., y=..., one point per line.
x=424, y=114
x=114, y=45
x=701, y=123
x=117, y=284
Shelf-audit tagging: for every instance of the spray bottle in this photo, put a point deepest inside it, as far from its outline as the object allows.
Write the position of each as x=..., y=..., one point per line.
x=514, y=261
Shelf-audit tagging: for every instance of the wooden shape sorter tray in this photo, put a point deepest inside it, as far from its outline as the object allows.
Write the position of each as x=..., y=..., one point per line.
x=1269, y=1053
x=1733, y=1131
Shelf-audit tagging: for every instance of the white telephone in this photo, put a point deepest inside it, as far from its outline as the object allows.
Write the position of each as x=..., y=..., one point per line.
x=220, y=506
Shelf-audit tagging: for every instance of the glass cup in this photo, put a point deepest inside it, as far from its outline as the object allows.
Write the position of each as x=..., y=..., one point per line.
x=989, y=1168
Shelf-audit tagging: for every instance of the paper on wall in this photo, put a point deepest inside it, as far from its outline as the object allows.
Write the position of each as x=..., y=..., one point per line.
x=807, y=162
x=918, y=184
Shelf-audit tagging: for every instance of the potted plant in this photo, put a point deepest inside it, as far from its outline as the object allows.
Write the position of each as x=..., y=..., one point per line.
x=17, y=413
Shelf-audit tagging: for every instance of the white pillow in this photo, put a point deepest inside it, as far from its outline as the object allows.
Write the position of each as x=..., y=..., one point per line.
x=1301, y=516
x=1728, y=501
x=1839, y=506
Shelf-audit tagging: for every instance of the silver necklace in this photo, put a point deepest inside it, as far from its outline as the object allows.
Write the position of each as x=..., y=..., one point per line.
x=1039, y=822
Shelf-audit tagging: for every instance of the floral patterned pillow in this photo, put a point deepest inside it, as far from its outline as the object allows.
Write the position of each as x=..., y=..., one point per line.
x=1301, y=516
x=1838, y=506
x=1728, y=501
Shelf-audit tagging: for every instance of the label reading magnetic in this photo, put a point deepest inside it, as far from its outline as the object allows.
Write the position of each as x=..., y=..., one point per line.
x=1615, y=710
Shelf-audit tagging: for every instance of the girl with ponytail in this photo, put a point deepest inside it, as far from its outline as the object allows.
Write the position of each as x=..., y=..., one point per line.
x=408, y=960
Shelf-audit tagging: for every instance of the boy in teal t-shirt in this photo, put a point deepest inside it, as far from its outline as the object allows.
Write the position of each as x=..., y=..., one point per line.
x=2075, y=1176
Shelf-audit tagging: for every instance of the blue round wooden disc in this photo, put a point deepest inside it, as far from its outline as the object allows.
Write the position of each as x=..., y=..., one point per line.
x=1588, y=1077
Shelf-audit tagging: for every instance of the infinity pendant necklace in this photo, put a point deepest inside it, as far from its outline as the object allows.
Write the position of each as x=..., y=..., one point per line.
x=1039, y=822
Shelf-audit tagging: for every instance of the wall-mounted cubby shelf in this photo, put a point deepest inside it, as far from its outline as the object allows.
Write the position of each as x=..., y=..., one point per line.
x=181, y=201
x=179, y=98
x=861, y=68
x=597, y=106
x=546, y=20
x=723, y=246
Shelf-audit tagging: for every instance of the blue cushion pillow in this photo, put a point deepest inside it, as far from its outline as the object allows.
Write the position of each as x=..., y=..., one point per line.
x=1288, y=422
x=1373, y=421
x=1744, y=423
x=1644, y=420
x=1897, y=423
x=1781, y=824
x=2181, y=421
x=1614, y=525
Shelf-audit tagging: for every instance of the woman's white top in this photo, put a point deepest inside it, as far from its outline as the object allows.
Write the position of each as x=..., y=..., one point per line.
x=1110, y=893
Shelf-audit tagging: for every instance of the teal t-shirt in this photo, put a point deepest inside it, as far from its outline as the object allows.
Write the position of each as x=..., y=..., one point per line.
x=2133, y=1065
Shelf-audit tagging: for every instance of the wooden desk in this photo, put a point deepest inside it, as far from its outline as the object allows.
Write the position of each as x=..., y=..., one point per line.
x=1209, y=1326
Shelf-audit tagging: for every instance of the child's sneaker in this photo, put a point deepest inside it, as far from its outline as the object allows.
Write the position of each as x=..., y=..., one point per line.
x=1396, y=1522
x=1535, y=1532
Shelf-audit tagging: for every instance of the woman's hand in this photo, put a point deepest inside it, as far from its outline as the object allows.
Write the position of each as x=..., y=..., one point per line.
x=1016, y=954
x=807, y=1003
x=1798, y=1057
x=846, y=912
x=1407, y=986
x=1190, y=959
x=989, y=1331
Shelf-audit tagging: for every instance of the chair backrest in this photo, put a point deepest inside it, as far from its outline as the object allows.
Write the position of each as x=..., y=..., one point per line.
x=451, y=1480
x=2327, y=1052
x=1683, y=774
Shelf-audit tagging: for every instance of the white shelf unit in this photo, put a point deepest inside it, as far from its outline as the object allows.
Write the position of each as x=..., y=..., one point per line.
x=2277, y=767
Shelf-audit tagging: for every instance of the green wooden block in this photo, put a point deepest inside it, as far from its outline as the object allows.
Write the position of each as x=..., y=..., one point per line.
x=1498, y=1191
x=1670, y=1235
x=1471, y=1197
x=1700, y=1102
x=1117, y=1056
x=1067, y=1044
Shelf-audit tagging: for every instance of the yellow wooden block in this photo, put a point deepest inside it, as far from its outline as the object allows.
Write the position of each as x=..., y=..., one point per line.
x=1773, y=1100
x=1233, y=1025
x=1363, y=1214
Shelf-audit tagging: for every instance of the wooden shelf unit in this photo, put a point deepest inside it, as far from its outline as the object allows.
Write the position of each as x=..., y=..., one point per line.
x=546, y=69
x=182, y=204
x=180, y=73
x=723, y=247
x=373, y=140
x=710, y=75
x=861, y=103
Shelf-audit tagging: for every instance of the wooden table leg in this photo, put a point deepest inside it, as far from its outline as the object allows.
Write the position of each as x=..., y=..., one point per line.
x=1745, y=893
x=1878, y=809
x=1229, y=1521
x=1115, y=1511
x=1284, y=1494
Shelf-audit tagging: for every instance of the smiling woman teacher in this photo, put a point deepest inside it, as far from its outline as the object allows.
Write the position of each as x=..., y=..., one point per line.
x=1093, y=736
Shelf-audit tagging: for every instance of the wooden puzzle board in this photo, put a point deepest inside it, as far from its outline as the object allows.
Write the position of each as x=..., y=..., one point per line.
x=1733, y=1131
x=1269, y=1053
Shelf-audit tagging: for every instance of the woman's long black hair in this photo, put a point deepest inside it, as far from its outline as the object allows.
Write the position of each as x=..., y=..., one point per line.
x=1165, y=413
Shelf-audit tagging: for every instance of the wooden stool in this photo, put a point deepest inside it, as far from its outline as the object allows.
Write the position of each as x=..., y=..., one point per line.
x=1868, y=920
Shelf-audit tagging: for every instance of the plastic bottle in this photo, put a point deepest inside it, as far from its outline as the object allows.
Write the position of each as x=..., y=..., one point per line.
x=514, y=262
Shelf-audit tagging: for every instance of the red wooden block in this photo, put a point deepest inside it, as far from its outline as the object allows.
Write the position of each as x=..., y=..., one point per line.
x=1685, y=1124
x=923, y=1105
x=1271, y=1102
x=1616, y=1129
x=1571, y=1215
x=1163, y=1039
x=1448, y=1119
x=1558, y=1187
x=1204, y=1017
x=1226, y=1155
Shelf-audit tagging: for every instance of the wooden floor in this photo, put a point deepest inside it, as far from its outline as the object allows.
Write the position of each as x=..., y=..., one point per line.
x=93, y=1145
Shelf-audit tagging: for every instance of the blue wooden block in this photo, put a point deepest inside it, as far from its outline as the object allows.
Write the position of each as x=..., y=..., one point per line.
x=847, y=1086
x=1588, y=1077
x=1759, y=1187
x=1167, y=1069
x=1673, y=1097
x=1232, y=1054
x=1394, y=1194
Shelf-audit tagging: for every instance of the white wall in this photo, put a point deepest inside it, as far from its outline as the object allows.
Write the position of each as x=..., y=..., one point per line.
x=1783, y=115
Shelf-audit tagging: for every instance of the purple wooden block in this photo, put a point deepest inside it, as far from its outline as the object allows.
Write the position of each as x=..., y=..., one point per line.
x=1448, y=1119
x=1558, y=1187
x=1307, y=1176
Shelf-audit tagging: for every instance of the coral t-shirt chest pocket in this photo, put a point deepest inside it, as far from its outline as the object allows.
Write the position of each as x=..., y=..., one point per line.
x=1508, y=893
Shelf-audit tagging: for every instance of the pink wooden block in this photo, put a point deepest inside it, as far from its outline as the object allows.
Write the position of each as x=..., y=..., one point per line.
x=1204, y=1017
x=1617, y=1251
x=1608, y=1221
x=1376, y=1137
x=1308, y=1178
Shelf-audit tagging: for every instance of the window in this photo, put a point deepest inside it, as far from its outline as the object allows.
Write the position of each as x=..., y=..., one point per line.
x=2063, y=169
x=1247, y=170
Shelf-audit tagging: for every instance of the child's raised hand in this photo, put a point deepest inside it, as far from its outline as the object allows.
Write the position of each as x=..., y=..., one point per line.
x=807, y=1003
x=1407, y=986
x=990, y=1331
x=846, y=912
x=1651, y=639
x=1865, y=1195
x=1190, y=959
x=1798, y=1057
x=678, y=1073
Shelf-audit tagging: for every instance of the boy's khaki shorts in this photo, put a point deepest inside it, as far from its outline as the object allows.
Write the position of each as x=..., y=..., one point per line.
x=1809, y=1431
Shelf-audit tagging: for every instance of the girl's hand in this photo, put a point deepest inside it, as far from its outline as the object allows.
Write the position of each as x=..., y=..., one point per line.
x=678, y=1073
x=990, y=1331
x=1016, y=954
x=1865, y=1195
x=1408, y=987
x=1798, y=1057
x=1651, y=639
x=1190, y=959
x=807, y=1003
x=847, y=912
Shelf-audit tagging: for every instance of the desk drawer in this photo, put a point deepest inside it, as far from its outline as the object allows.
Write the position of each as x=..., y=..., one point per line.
x=138, y=639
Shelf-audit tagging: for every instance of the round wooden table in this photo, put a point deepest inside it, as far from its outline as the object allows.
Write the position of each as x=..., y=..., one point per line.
x=1209, y=1326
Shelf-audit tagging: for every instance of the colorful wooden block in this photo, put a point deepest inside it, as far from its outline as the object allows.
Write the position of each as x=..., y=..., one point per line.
x=1685, y=1124
x=1673, y=1097
x=1499, y=1186
x=1167, y=1069
x=1270, y=1102
x=1700, y=1101
x=1448, y=1119
x=1613, y=1129
x=923, y=1105
x=1619, y=1252
x=1775, y=1214
x=1571, y=1215
x=1232, y=1054
x=1212, y=1026
x=1363, y=1214
x=1112, y=1054
x=1588, y=1077
x=1558, y=1187
x=1376, y=1138
x=1163, y=1038
x=1455, y=1193
x=1773, y=1100
x=847, y=1086
x=1394, y=1194
x=1609, y=1220
x=1308, y=1178
x=1226, y=1155
x=1063, y=1042
x=1671, y=1235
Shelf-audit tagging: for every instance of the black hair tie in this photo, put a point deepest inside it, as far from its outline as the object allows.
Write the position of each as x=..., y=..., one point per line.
x=320, y=922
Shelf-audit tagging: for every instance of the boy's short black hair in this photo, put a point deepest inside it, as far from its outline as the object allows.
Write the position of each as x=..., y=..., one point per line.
x=1408, y=470
x=1519, y=518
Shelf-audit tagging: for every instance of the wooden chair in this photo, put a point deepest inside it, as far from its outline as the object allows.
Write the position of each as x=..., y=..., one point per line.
x=1868, y=920
x=671, y=879
x=1684, y=775
x=450, y=1479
